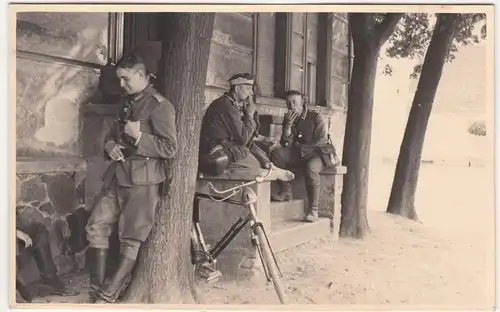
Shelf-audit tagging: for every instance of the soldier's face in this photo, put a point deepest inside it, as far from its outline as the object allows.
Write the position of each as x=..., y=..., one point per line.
x=132, y=80
x=244, y=91
x=294, y=102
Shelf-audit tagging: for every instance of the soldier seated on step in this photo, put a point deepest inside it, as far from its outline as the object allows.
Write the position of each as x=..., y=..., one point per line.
x=228, y=133
x=34, y=239
x=303, y=137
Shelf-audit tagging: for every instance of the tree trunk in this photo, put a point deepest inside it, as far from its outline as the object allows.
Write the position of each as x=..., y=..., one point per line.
x=402, y=198
x=164, y=273
x=356, y=155
x=368, y=37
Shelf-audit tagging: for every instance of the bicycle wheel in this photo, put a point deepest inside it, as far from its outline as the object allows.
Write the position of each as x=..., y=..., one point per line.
x=268, y=259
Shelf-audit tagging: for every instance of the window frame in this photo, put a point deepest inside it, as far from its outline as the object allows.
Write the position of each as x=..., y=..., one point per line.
x=114, y=48
x=348, y=54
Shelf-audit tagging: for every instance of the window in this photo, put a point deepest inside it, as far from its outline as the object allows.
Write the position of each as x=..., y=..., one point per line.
x=284, y=51
x=242, y=42
x=297, y=40
x=58, y=56
x=311, y=51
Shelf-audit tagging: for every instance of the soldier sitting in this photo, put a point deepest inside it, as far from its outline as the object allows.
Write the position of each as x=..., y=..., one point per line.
x=303, y=137
x=34, y=239
x=229, y=129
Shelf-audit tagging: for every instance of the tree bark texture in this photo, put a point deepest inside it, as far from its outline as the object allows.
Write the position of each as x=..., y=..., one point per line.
x=368, y=37
x=404, y=186
x=164, y=273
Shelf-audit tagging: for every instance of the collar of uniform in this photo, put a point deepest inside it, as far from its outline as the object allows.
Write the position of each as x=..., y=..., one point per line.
x=228, y=95
x=136, y=97
x=304, y=113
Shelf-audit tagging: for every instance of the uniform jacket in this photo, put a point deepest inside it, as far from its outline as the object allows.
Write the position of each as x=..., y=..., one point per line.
x=225, y=123
x=308, y=133
x=146, y=162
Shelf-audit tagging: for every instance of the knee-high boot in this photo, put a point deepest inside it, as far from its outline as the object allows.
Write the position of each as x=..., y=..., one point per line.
x=114, y=286
x=285, y=193
x=24, y=291
x=48, y=270
x=313, y=197
x=97, y=259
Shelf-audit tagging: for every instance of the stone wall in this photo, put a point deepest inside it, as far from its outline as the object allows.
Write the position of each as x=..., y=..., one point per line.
x=48, y=198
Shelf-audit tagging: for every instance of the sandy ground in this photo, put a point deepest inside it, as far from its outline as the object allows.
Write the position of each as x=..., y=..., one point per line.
x=447, y=261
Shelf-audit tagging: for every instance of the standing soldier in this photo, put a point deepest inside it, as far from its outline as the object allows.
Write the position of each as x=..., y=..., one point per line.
x=141, y=142
x=305, y=146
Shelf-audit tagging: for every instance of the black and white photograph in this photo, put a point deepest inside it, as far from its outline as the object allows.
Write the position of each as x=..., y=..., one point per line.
x=247, y=155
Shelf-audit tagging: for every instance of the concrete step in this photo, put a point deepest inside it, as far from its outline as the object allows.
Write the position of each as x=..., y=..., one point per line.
x=286, y=235
x=287, y=211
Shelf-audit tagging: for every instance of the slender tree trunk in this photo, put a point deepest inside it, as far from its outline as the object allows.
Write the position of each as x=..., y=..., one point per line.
x=368, y=38
x=164, y=273
x=404, y=186
x=356, y=155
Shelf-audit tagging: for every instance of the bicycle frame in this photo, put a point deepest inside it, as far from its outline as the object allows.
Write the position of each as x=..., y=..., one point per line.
x=259, y=236
x=230, y=234
x=237, y=226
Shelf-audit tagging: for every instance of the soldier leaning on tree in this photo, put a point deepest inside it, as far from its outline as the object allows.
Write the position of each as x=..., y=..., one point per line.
x=141, y=142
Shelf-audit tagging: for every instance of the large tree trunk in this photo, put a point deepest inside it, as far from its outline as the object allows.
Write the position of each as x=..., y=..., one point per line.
x=164, y=273
x=402, y=198
x=368, y=37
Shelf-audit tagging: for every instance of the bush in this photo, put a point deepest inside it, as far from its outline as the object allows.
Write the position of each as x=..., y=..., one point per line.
x=478, y=128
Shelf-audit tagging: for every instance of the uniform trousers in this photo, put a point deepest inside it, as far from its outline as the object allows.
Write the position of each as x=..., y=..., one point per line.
x=133, y=208
x=289, y=158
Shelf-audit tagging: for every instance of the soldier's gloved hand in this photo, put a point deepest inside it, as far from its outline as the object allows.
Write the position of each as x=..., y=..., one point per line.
x=25, y=238
x=114, y=151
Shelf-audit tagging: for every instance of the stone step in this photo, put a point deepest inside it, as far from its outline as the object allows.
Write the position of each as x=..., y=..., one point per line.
x=286, y=235
x=287, y=211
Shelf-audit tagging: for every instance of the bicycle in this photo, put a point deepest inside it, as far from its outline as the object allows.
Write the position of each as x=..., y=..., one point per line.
x=204, y=259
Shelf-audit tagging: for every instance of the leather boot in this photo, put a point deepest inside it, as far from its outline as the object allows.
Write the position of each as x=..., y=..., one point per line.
x=97, y=259
x=312, y=216
x=313, y=197
x=45, y=263
x=285, y=193
x=114, y=286
x=113, y=253
x=24, y=291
